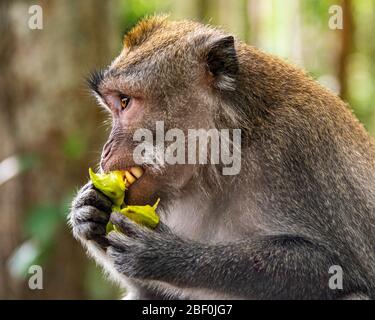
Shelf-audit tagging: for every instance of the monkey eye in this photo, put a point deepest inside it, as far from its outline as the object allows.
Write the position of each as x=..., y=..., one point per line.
x=124, y=100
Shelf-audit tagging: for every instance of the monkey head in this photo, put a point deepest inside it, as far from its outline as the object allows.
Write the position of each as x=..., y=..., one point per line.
x=175, y=72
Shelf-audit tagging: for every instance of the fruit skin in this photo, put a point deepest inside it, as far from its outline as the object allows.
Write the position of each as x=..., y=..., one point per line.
x=113, y=186
x=110, y=227
x=144, y=215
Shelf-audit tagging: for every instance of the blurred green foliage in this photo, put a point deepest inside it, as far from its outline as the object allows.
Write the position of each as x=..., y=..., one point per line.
x=362, y=65
x=132, y=11
x=97, y=286
x=75, y=145
x=41, y=225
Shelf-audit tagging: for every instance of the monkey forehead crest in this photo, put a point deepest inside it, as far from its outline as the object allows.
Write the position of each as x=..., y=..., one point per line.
x=157, y=31
x=144, y=29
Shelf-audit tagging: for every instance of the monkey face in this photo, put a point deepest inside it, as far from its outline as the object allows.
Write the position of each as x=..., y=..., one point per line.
x=140, y=111
x=167, y=74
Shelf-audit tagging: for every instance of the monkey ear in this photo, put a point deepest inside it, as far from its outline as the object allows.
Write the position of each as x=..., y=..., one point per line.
x=222, y=62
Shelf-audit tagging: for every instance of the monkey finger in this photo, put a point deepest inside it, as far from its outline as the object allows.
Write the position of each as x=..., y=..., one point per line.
x=89, y=230
x=126, y=226
x=101, y=241
x=88, y=185
x=90, y=214
x=92, y=197
x=118, y=240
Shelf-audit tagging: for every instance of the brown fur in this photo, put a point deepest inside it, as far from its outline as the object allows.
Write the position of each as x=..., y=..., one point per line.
x=142, y=31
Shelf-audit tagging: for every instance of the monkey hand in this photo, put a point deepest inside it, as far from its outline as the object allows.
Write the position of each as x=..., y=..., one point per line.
x=139, y=252
x=90, y=214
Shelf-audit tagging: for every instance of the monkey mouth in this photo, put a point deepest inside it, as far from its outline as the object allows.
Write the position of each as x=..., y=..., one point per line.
x=132, y=175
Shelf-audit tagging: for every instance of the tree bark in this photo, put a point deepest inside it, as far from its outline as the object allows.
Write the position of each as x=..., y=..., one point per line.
x=9, y=206
x=44, y=108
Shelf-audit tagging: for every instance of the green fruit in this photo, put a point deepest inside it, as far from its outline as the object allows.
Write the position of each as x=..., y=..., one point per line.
x=144, y=215
x=112, y=184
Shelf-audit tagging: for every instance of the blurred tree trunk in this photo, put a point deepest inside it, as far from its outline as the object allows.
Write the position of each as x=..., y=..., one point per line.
x=193, y=9
x=245, y=4
x=294, y=32
x=254, y=17
x=233, y=16
x=45, y=111
x=9, y=208
x=346, y=47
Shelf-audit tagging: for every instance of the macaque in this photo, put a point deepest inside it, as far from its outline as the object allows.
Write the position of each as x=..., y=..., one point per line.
x=303, y=201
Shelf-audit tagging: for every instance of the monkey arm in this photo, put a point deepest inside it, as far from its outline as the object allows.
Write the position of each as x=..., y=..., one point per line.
x=88, y=218
x=265, y=267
